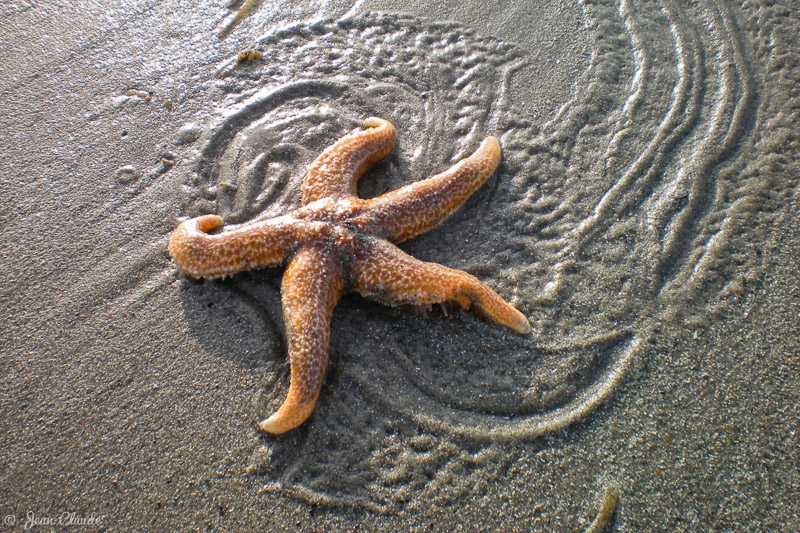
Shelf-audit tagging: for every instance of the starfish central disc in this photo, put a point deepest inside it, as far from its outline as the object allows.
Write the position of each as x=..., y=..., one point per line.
x=337, y=241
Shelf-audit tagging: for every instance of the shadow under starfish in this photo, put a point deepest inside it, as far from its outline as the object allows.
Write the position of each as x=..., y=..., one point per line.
x=337, y=242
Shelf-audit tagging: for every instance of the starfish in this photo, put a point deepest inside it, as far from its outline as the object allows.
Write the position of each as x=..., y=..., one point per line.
x=337, y=242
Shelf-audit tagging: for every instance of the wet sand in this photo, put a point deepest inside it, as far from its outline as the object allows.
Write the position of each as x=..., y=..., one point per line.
x=643, y=219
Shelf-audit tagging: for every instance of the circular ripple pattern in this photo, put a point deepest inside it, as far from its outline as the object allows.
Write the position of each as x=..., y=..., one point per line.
x=623, y=211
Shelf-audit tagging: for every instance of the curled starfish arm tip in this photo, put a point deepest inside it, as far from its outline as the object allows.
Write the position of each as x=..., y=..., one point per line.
x=183, y=242
x=192, y=227
x=375, y=122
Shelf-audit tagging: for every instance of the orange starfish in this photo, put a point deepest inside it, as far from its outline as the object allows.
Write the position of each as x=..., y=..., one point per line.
x=336, y=242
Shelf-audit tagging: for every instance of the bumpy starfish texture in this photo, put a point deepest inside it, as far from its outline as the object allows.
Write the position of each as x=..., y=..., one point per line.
x=337, y=242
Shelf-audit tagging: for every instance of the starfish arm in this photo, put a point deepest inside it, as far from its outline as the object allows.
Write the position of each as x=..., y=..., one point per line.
x=383, y=272
x=311, y=287
x=418, y=207
x=256, y=245
x=336, y=171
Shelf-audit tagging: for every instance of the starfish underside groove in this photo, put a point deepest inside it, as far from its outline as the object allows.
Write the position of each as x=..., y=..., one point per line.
x=336, y=242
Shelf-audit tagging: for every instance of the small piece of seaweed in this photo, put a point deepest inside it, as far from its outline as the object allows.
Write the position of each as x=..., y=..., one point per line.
x=607, y=508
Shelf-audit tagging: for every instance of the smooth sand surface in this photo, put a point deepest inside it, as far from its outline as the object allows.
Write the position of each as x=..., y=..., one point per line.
x=644, y=218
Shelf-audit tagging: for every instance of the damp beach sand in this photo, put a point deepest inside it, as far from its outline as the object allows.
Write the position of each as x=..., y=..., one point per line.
x=643, y=218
